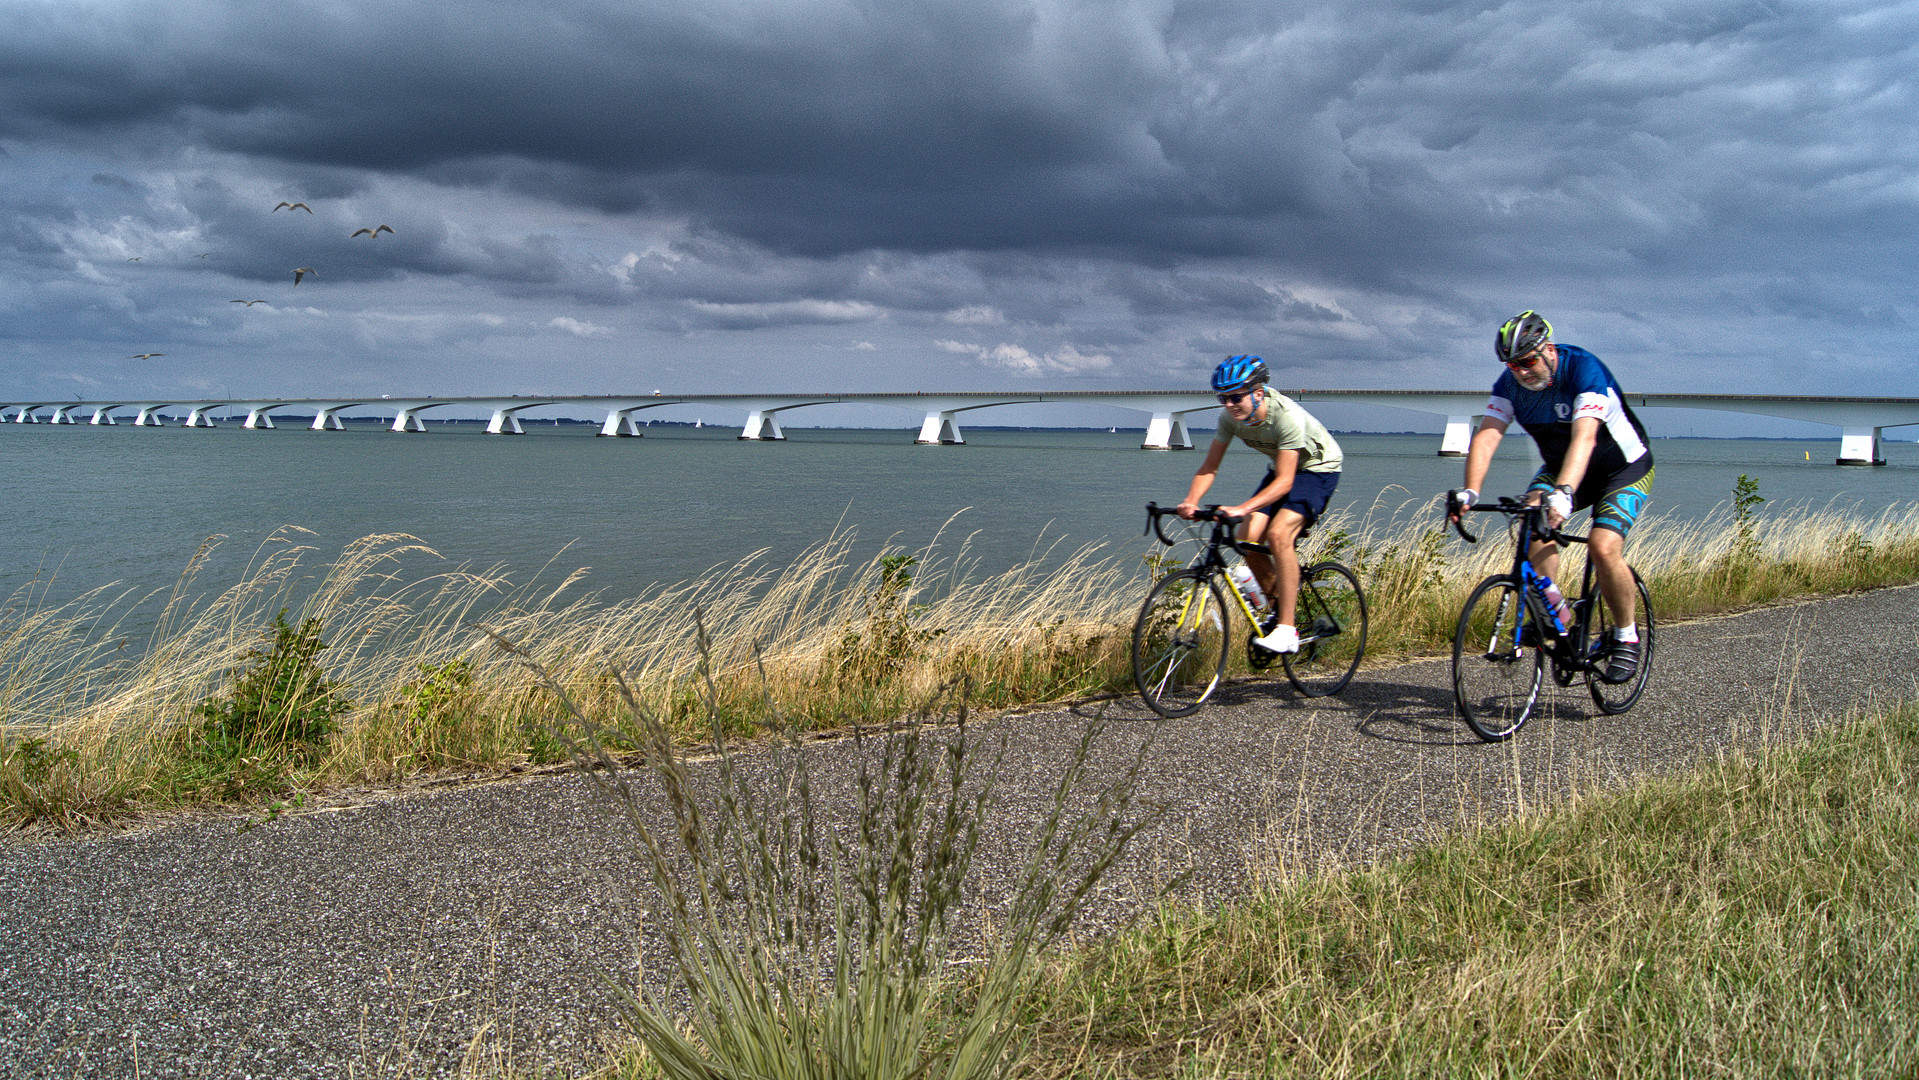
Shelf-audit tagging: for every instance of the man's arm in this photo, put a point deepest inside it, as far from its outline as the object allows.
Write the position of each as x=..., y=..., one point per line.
x=1479, y=456
x=1285, y=467
x=1202, y=480
x=1572, y=467
x=1579, y=452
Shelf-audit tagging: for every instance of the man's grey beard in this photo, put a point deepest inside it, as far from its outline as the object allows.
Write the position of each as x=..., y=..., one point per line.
x=1534, y=382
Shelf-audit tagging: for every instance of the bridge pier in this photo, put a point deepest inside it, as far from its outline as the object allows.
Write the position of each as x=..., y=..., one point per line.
x=940, y=429
x=257, y=417
x=327, y=417
x=61, y=414
x=409, y=415
x=197, y=416
x=1859, y=445
x=620, y=424
x=763, y=425
x=100, y=416
x=1458, y=438
x=149, y=416
x=25, y=415
x=1167, y=431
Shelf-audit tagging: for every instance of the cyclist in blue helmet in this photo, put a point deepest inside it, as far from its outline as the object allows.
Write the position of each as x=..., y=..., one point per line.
x=1303, y=471
x=1595, y=454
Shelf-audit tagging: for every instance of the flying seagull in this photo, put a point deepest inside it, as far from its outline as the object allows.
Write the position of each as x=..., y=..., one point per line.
x=136, y=258
x=301, y=271
x=250, y=303
x=371, y=233
x=203, y=254
x=145, y=355
x=293, y=206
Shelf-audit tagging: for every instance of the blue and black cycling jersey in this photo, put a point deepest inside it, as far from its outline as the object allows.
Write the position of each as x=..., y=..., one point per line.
x=1582, y=386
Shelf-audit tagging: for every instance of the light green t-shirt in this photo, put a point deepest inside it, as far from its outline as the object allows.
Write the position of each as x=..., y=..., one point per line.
x=1286, y=427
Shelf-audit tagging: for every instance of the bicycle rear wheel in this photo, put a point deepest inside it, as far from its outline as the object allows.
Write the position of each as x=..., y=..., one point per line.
x=1614, y=698
x=1496, y=679
x=1331, y=618
x=1180, y=642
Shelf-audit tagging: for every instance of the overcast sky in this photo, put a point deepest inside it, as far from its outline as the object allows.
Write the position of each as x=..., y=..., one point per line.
x=608, y=196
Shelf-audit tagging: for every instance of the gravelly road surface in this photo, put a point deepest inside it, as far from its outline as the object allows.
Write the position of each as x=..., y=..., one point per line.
x=390, y=936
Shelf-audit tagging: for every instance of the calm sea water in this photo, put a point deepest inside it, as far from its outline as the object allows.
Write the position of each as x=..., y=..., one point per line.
x=97, y=505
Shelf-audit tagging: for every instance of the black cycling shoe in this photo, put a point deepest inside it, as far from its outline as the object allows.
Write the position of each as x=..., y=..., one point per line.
x=1622, y=662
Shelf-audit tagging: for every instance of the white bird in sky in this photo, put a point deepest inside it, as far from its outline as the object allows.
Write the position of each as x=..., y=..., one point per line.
x=301, y=271
x=371, y=233
x=145, y=355
x=293, y=206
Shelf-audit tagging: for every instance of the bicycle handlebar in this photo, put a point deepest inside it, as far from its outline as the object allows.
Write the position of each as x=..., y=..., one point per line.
x=1458, y=519
x=1508, y=505
x=1154, y=512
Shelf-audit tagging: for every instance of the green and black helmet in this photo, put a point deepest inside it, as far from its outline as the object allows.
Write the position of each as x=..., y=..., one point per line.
x=1522, y=335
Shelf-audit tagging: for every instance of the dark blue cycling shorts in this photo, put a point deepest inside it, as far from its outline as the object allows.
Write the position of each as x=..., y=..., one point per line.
x=1308, y=496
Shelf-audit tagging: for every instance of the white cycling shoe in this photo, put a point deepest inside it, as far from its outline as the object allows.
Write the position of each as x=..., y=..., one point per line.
x=1282, y=639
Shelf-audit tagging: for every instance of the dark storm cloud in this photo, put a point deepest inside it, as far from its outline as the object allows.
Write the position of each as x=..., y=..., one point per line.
x=1046, y=187
x=1216, y=129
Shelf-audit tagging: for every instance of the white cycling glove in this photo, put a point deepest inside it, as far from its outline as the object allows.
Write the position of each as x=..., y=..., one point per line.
x=1465, y=498
x=1560, y=502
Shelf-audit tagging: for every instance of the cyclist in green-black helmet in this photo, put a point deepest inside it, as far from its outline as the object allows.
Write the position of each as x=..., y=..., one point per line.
x=1595, y=452
x=1305, y=463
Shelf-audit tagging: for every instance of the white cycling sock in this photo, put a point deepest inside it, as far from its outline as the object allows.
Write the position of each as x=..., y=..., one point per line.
x=1628, y=633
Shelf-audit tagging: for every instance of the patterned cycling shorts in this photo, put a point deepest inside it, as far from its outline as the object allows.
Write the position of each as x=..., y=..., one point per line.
x=1614, y=509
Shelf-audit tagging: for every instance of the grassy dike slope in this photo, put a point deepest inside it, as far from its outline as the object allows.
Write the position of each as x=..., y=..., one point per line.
x=382, y=664
x=1757, y=917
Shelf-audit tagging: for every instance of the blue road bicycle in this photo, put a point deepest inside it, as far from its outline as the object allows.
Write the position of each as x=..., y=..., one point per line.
x=1508, y=635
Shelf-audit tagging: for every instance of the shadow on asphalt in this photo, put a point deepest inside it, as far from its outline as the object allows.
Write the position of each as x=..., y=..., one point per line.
x=1407, y=713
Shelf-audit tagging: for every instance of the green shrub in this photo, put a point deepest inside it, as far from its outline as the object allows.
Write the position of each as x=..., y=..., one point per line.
x=279, y=698
x=873, y=654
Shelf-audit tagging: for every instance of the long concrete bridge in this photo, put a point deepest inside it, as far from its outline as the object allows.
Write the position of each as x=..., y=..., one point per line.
x=1860, y=419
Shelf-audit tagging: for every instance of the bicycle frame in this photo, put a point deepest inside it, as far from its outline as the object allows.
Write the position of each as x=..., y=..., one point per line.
x=1561, y=645
x=1209, y=560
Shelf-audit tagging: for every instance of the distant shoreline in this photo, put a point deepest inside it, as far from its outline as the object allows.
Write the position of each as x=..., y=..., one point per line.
x=289, y=420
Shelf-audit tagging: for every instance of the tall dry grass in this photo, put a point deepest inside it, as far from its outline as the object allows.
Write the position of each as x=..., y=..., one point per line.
x=1417, y=573
x=94, y=716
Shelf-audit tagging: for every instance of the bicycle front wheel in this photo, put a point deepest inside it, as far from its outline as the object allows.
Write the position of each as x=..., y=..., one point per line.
x=1331, y=618
x=1496, y=672
x=1615, y=698
x=1180, y=642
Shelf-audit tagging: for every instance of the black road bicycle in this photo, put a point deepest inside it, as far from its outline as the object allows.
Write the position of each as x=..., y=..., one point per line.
x=1183, y=638
x=1507, y=633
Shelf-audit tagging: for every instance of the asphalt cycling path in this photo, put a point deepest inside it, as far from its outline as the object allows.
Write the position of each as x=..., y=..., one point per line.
x=381, y=935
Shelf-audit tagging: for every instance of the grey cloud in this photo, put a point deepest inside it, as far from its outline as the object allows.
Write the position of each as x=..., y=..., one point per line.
x=1154, y=181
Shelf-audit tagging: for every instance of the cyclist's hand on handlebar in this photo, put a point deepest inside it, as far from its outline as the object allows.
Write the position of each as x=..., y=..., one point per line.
x=1559, y=507
x=1459, y=502
x=1186, y=510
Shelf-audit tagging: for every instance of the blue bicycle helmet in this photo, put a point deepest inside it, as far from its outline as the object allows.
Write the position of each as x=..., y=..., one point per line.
x=1238, y=373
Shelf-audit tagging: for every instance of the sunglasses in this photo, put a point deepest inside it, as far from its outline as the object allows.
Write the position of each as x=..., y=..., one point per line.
x=1234, y=399
x=1524, y=362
